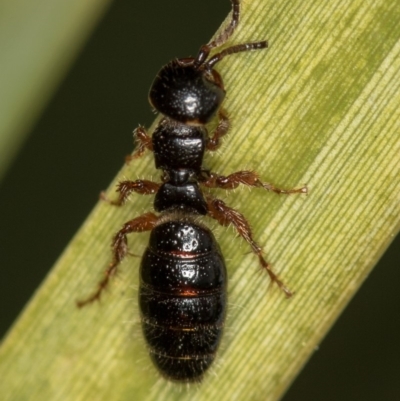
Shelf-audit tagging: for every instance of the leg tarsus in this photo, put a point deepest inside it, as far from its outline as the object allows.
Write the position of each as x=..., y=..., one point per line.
x=111, y=270
x=272, y=188
x=274, y=277
x=249, y=178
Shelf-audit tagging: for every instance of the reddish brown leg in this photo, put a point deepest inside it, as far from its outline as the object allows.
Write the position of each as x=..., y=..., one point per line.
x=222, y=128
x=143, y=141
x=218, y=210
x=119, y=248
x=125, y=188
x=249, y=178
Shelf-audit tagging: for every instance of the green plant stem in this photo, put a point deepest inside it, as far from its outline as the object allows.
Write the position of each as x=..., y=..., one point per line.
x=320, y=107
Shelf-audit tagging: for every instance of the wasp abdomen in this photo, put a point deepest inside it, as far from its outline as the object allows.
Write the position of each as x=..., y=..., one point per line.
x=182, y=298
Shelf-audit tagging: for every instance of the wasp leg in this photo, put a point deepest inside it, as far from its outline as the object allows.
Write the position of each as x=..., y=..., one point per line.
x=146, y=222
x=143, y=141
x=222, y=128
x=225, y=215
x=125, y=188
x=249, y=178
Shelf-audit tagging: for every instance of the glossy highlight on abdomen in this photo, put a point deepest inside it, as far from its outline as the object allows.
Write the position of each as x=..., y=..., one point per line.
x=182, y=298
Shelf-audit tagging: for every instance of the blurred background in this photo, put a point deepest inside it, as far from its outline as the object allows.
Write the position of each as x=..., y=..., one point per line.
x=79, y=143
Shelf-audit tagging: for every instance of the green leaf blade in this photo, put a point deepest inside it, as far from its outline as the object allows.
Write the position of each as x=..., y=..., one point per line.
x=320, y=107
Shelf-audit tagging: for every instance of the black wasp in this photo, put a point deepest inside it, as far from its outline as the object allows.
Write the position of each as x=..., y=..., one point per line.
x=183, y=278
